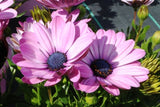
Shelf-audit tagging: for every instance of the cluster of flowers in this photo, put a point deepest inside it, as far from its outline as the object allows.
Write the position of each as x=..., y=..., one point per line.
x=67, y=47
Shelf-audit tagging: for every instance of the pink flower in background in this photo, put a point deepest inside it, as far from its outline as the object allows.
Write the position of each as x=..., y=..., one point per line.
x=138, y=3
x=15, y=38
x=5, y=11
x=111, y=63
x=58, y=4
x=47, y=53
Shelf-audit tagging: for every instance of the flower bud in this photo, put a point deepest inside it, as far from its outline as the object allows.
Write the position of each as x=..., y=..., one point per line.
x=91, y=100
x=156, y=38
x=143, y=12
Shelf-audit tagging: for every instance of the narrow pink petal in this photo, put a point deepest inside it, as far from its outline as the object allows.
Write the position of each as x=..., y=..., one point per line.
x=135, y=55
x=120, y=38
x=30, y=64
x=60, y=12
x=40, y=73
x=94, y=49
x=103, y=81
x=8, y=14
x=120, y=81
x=32, y=80
x=56, y=27
x=141, y=78
x=66, y=38
x=53, y=81
x=74, y=74
x=130, y=70
x=110, y=44
x=89, y=85
x=112, y=90
x=80, y=46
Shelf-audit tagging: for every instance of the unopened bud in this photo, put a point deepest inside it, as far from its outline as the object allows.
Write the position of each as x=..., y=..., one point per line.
x=143, y=12
x=156, y=38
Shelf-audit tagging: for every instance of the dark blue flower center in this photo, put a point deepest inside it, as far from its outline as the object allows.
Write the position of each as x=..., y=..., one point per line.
x=56, y=60
x=101, y=68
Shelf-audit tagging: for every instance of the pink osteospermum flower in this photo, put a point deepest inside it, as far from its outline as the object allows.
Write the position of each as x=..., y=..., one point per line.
x=111, y=63
x=58, y=4
x=5, y=11
x=15, y=38
x=138, y=3
x=48, y=53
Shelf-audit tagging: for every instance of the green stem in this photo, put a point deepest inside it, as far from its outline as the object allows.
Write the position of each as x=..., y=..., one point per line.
x=38, y=96
x=50, y=95
x=139, y=31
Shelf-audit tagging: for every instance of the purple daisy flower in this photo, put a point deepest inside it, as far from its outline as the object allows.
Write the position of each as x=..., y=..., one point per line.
x=47, y=53
x=111, y=63
x=138, y=3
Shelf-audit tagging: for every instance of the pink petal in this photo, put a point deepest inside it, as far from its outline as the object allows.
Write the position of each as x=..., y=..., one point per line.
x=135, y=55
x=121, y=51
x=123, y=81
x=88, y=58
x=94, y=49
x=103, y=81
x=32, y=53
x=130, y=70
x=66, y=38
x=74, y=74
x=80, y=46
x=30, y=64
x=17, y=58
x=112, y=90
x=44, y=37
x=141, y=78
x=40, y=73
x=89, y=85
x=56, y=26
x=52, y=82
x=32, y=80
x=120, y=38
x=85, y=70
x=74, y=15
x=109, y=46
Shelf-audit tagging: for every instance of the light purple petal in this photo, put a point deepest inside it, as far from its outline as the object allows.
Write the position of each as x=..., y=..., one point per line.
x=141, y=78
x=5, y=4
x=53, y=81
x=122, y=51
x=32, y=80
x=112, y=90
x=74, y=74
x=130, y=70
x=66, y=38
x=89, y=85
x=135, y=55
x=32, y=53
x=123, y=81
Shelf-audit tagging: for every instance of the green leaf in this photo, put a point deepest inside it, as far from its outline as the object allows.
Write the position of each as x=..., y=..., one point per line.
x=143, y=33
x=82, y=11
